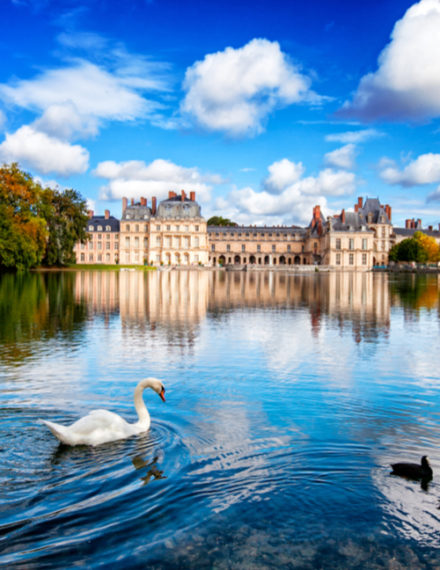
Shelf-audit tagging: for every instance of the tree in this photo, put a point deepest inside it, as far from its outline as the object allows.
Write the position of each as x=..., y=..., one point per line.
x=220, y=221
x=408, y=250
x=37, y=225
x=429, y=244
x=22, y=231
x=66, y=217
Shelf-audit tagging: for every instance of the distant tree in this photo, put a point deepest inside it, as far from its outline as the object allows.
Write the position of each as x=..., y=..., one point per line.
x=409, y=249
x=23, y=232
x=429, y=244
x=220, y=221
x=66, y=217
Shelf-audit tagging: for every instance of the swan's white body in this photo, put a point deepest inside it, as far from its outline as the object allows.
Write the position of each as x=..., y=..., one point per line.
x=102, y=426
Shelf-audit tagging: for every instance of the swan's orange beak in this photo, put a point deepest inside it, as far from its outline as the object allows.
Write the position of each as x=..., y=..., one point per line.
x=162, y=395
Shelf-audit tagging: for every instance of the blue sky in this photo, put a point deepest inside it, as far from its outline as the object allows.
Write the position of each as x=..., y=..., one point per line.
x=263, y=108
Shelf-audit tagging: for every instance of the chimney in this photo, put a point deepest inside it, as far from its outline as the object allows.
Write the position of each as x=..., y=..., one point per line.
x=153, y=205
x=430, y=228
x=90, y=213
x=407, y=224
x=170, y=195
x=124, y=204
x=318, y=212
x=419, y=223
x=413, y=223
x=356, y=207
x=183, y=195
x=343, y=216
x=132, y=201
x=388, y=211
x=143, y=201
x=107, y=214
x=360, y=203
x=192, y=196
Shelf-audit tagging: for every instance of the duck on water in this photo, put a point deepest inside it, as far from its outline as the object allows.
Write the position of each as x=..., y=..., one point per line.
x=413, y=470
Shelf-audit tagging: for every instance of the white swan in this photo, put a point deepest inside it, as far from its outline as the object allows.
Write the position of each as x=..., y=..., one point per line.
x=101, y=426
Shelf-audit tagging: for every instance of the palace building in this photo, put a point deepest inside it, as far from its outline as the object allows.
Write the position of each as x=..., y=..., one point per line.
x=174, y=233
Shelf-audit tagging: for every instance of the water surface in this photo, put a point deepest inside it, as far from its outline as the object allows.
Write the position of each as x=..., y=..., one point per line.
x=288, y=396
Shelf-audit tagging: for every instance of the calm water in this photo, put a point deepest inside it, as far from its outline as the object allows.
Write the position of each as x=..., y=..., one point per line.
x=288, y=396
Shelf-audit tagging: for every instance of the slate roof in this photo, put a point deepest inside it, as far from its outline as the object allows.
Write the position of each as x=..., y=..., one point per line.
x=136, y=212
x=177, y=208
x=101, y=221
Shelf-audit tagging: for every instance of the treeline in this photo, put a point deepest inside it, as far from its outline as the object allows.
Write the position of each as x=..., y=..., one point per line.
x=38, y=226
x=421, y=248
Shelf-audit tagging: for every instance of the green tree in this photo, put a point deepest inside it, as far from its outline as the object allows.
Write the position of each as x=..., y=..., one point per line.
x=66, y=217
x=409, y=249
x=429, y=244
x=220, y=221
x=22, y=231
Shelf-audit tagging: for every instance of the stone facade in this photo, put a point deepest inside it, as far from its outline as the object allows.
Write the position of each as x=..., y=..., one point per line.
x=174, y=233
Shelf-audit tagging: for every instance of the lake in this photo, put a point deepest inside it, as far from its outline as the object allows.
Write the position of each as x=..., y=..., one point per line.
x=288, y=397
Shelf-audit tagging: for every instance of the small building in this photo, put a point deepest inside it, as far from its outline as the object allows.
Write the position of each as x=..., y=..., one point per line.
x=103, y=245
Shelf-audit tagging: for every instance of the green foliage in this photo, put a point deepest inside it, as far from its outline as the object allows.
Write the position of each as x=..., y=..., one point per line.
x=66, y=217
x=420, y=248
x=37, y=225
x=219, y=221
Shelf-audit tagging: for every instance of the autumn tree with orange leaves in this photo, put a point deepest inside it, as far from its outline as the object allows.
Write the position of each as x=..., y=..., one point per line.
x=37, y=225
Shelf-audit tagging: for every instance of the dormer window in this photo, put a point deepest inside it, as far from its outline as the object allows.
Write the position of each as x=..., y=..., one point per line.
x=108, y=228
x=99, y=228
x=90, y=228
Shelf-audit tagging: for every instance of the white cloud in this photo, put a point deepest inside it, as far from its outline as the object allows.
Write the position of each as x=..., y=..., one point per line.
x=282, y=174
x=84, y=94
x=294, y=198
x=235, y=90
x=342, y=157
x=134, y=178
x=425, y=169
x=45, y=153
x=2, y=119
x=407, y=81
x=353, y=136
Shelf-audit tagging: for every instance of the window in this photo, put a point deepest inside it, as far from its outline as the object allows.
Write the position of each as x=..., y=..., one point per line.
x=146, y=228
x=197, y=228
x=127, y=242
x=288, y=247
x=100, y=257
x=177, y=228
x=196, y=258
x=213, y=247
x=338, y=259
x=243, y=248
x=107, y=245
x=351, y=259
x=99, y=228
x=127, y=227
x=228, y=247
x=107, y=257
x=137, y=227
x=364, y=243
x=157, y=257
x=168, y=228
x=145, y=243
x=108, y=228
x=383, y=232
x=83, y=257
x=108, y=236
x=273, y=248
x=338, y=243
x=158, y=228
x=351, y=243
x=116, y=245
x=91, y=257
x=83, y=245
x=99, y=244
x=157, y=240
x=136, y=242
x=187, y=228
x=90, y=228
x=258, y=247
x=196, y=242
x=364, y=259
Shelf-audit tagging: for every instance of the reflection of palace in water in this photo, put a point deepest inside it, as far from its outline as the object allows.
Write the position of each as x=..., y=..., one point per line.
x=182, y=299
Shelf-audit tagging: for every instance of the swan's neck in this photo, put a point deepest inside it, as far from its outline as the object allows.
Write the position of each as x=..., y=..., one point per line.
x=139, y=404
